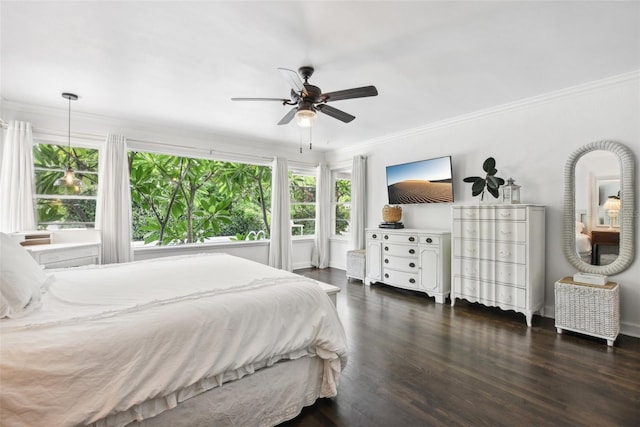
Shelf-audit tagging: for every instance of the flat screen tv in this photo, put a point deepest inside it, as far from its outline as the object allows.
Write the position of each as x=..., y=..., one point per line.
x=425, y=181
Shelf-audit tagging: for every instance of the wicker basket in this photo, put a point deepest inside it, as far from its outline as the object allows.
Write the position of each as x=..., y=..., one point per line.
x=590, y=309
x=391, y=213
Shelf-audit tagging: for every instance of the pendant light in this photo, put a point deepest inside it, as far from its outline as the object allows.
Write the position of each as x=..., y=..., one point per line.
x=69, y=179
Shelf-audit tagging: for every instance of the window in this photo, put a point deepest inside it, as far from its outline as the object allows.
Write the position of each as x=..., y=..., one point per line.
x=341, y=202
x=303, y=203
x=60, y=206
x=177, y=200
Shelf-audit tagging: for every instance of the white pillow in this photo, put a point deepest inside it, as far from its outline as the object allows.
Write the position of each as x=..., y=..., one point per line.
x=21, y=279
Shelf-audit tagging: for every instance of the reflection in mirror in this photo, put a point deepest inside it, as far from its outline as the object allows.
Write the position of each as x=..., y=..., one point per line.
x=597, y=177
x=598, y=208
x=608, y=201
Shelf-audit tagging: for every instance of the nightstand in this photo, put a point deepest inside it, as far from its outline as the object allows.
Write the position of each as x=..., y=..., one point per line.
x=600, y=238
x=588, y=309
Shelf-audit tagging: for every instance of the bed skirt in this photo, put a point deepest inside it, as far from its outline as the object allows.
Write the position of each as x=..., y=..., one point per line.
x=267, y=397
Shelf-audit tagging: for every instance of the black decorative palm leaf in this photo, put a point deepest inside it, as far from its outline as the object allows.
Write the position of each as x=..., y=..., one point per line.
x=490, y=182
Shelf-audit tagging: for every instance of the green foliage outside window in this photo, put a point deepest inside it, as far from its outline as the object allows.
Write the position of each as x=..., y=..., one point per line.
x=343, y=205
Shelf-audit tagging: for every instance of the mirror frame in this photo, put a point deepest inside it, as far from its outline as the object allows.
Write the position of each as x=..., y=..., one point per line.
x=627, y=235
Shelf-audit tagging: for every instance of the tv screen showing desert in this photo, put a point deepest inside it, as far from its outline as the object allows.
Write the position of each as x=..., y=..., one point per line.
x=427, y=181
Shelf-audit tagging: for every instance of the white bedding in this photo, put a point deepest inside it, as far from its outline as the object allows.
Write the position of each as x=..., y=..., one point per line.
x=583, y=246
x=109, y=338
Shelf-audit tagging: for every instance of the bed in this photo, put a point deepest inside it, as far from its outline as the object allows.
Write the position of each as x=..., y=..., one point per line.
x=210, y=340
x=583, y=242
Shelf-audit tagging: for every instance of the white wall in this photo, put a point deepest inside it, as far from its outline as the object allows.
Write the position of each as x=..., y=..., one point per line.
x=531, y=142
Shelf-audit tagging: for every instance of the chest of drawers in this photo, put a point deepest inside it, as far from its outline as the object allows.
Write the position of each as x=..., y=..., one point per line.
x=498, y=256
x=411, y=259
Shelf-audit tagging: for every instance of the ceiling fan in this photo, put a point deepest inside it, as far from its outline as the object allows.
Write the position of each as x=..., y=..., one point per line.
x=307, y=98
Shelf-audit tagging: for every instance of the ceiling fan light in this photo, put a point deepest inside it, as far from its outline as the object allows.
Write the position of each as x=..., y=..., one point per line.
x=306, y=118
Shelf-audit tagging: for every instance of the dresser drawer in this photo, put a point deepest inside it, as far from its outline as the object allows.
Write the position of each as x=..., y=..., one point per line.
x=374, y=235
x=409, y=265
x=510, y=231
x=513, y=274
x=400, y=250
x=429, y=240
x=488, y=293
x=399, y=238
x=473, y=229
x=67, y=254
x=496, y=251
x=509, y=295
x=513, y=214
x=491, y=213
x=474, y=289
x=400, y=278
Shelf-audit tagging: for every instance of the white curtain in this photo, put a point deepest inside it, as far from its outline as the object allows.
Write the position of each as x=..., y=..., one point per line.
x=16, y=179
x=113, y=210
x=280, y=248
x=320, y=257
x=358, y=202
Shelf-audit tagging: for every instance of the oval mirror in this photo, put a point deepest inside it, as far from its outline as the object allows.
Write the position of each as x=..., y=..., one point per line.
x=598, y=208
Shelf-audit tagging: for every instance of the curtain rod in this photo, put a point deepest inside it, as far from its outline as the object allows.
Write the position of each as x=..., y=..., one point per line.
x=209, y=151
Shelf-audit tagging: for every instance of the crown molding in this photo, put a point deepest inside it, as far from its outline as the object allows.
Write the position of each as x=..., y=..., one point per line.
x=577, y=90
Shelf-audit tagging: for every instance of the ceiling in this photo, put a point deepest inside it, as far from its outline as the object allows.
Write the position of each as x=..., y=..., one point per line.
x=177, y=64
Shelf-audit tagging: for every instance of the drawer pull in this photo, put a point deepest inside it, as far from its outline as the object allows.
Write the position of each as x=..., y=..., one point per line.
x=386, y=275
x=386, y=237
x=386, y=248
x=471, y=231
x=411, y=264
x=505, y=214
x=504, y=254
x=412, y=280
x=429, y=240
x=412, y=251
x=471, y=250
x=375, y=236
x=470, y=214
x=471, y=270
x=505, y=233
x=386, y=261
x=412, y=239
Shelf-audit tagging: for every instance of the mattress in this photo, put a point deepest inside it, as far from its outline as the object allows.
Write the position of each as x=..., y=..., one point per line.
x=110, y=339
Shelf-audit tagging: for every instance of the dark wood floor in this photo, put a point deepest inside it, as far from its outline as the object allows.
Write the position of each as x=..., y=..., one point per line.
x=413, y=362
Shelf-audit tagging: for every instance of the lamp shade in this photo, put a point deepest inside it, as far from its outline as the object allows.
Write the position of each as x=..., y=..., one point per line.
x=612, y=204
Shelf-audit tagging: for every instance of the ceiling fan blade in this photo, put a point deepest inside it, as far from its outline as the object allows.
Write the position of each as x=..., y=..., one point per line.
x=335, y=113
x=359, y=92
x=260, y=99
x=287, y=117
x=294, y=80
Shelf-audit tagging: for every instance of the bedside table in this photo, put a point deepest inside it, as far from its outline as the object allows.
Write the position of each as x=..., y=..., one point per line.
x=600, y=238
x=588, y=309
x=58, y=255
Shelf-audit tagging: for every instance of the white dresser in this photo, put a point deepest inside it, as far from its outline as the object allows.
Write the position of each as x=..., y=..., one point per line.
x=498, y=256
x=411, y=259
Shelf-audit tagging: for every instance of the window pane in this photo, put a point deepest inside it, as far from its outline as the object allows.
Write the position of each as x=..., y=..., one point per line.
x=65, y=213
x=343, y=216
x=303, y=204
x=179, y=200
x=64, y=206
x=342, y=205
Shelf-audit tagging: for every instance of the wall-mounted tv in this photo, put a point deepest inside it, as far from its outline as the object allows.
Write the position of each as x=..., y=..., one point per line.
x=425, y=181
